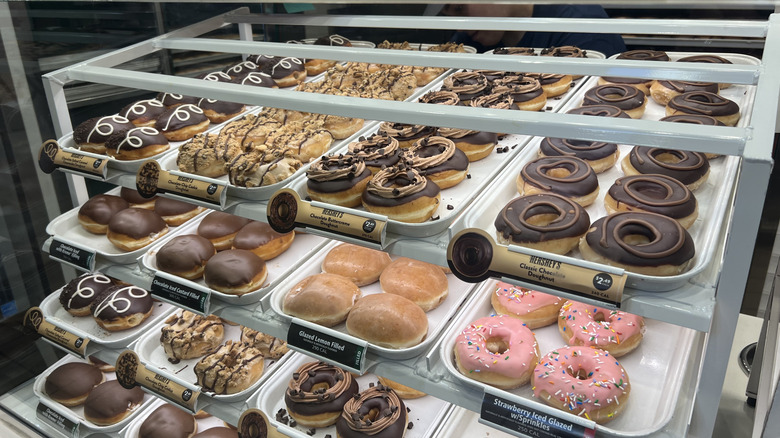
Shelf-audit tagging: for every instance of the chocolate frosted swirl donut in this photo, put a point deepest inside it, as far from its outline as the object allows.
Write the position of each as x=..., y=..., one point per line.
x=643, y=243
x=122, y=307
x=185, y=256
x=690, y=168
x=238, y=72
x=526, y=92
x=624, y=96
x=468, y=85
x=600, y=111
x=182, y=122
x=77, y=296
x=97, y=212
x=257, y=79
x=136, y=144
x=704, y=103
x=654, y=193
x=600, y=155
x=437, y=159
x=441, y=97
x=522, y=51
x=405, y=134
x=377, y=412
x=644, y=55
x=566, y=176
x=91, y=135
x=317, y=393
x=402, y=194
x=338, y=179
x=663, y=91
x=377, y=151
x=545, y=222
x=143, y=112
x=696, y=119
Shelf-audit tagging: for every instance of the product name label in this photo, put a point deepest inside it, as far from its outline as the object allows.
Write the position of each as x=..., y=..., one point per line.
x=74, y=344
x=253, y=424
x=182, y=295
x=73, y=255
x=516, y=418
x=131, y=372
x=52, y=157
x=56, y=420
x=332, y=347
x=152, y=179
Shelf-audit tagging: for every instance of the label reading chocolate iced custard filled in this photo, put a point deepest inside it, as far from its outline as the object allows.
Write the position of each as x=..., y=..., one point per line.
x=57, y=421
x=72, y=254
x=130, y=372
x=51, y=157
x=308, y=338
x=168, y=288
x=151, y=179
x=72, y=343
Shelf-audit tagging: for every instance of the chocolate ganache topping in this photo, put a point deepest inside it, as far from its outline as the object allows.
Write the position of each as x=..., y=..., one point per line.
x=335, y=173
x=695, y=119
x=101, y=208
x=623, y=96
x=72, y=380
x=137, y=223
x=239, y=71
x=82, y=291
x=687, y=86
x=167, y=421
x=712, y=59
x=220, y=106
x=523, y=51
x=143, y=110
x=254, y=235
x=183, y=253
x=173, y=99
x=514, y=224
x=687, y=167
x=216, y=76
x=120, y=302
x=436, y=154
x=258, y=79
x=467, y=85
x=565, y=52
x=232, y=268
x=218, y=224
x=702, y=102
x=376, y=412
x=136, y=138
x=180, y=116
x=655, y=193
x=644, y=55
x=377, y=151
x=398, y=182
x=521, y=88
x=583, y=149
x=629, y=81
x=600, y=111
x=110, y=399
x=279, y=67
x=404, y=132
x=468, y=136
x=579, y=179
x=172, y=207
x=98, y=129
x=441, y=97
x=495, y=100
x=334, y=387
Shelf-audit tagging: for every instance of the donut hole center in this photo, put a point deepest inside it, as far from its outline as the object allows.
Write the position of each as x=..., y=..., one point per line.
x=372, y=415
x=636, y=239
x=496, y=345
x=558, y=172
x=652, y=191
x=599, y=317
x=668, y=158
x=580, y=374
x=541, y=220
x=320, y=386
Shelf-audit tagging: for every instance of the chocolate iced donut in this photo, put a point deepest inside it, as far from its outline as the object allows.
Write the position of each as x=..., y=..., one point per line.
x=644, y=55
x=262, y=240
x=600, y=155
x=77, y=296
x=172, y=99
x=599, y=111
x=663, y=91
x=97, y=212
x=317, y=393
x=566, y=176
x=712, y=59
x=475, y=144
x=109, y=403
x=437, y=159
x=377, y=412
x=238, y=72
x=377, y=151
x=564, y=52
x=641, y=84
x=122, y=307
x=546, y=222
x=527, y=93
x=643, y=243
x=182, y=122
x=218, y=111
x=235, y=272
x=143, y=112
x=402, y=194
x=696, y=119
x=285, y=71
x=704, y=103
x=136, y=200
x=218, y=432
x=168, y=421
x=626, y=97
x=175, y=212
x=216, y=76
x=441, y=97
x=338, y=179
x=690, y=168
x=185, y=256
x=468, y=85
x=257, y=79
x=136, y=143
x=654, y=193
x=135, y=228
x=521, y=51
x=405, y=134
x=552, y=84
x=70, y=383
x=220, y=228
x=91, y=135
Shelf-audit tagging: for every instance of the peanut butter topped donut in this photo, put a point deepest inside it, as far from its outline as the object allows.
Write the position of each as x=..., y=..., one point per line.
x=143, y=112
x=600, y=155
x=377, y=151
x=654, y=193
x=566, y=176
x=624, y=96
x=704, y=103
x=690, y=168
x=644, y=55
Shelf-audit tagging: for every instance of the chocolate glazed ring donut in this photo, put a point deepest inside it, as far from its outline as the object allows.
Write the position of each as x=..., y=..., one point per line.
x=600, y=155
x=663, y=91
x=624, y=96
x=690, y=168
x=644, y=55
x=643, y=243
x=696, y=119
x=317, y=393
x=600, y=111
x=712, y=59
x=566, y=176
x=704, y=103
x=654, y=193
x=377, y=412
x=545, y=222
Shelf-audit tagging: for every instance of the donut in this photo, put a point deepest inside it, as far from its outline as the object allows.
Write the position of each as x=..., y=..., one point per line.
x=599, y=155
x=545, y=222
x=704, y=103
x=566, y=176
x=640, y=84
x=305, y=140
x=221, y=228
x=240, y=71
x=643, y=243
x=317, y=392
x=185, y=256
x=494, y=100
x=341, y=127
x=262, y=167
x=102, y=366
x=553, y=84
x=520, y=51
x=712, y=59
x=70, y=384
x=175, y=212
x=614, y=331
x=690, y=168
x=216, y=76
x=534, y=308
x=77, y=296
x=441, y=97
x=235, y=272
x=359, y=264
x=231, y=369
x=377, y=151
x=182, y=122
x=468, y=85
x=168, y=421
x=317, y=66
x=373, y=413
x=437, y=159
x=97, y=212
x=218, y=111
x=122, y=307
x=109, y=403
x=696, y=120
x=388, y=321
x=402, y=194
x=286, y=72
x=338, y=179
x=136, y=144
x=527, y=93
x=134, y=228
x=323, y=299
x=257, y=79
x=406, y=135
x=188, y=335
x=217, y=432
x=271, y=347
x=654, y=193
x=475, y=144
x=92, y=134
x=172, y=99
x=586, y=382
x=423, y=283
x=565, y=52
x=600, y=111
x=136, y=200
x=143, y=112
x=403, y=391
x=497, y=350
x=202, y=155
x=262, y=240
x=663, y=91
x=624, y=96
x=644, y=55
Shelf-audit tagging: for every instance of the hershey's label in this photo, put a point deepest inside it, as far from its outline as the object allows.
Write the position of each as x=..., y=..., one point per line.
x=516, y=419
x=308, y=338
x=152, y=179
x=130, y=372
x=72, y=343
x=182, y=295
x=76, y=256
x=57, y=421
x=52, y=157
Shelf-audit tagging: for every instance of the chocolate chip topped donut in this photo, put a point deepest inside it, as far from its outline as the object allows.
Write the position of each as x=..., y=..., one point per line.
x=402, y=194
x=437, y=159
x=522, y=51
x=375, y=412
x=317, y=393
x=467, y=85
x=441, y=97
x=690, y=168
x=338, y=179
x=405, y=134
x=77, y=296
x=704, y=103
x=527, y=93
x=377, y=151
x=91, y=135
x=566, y=176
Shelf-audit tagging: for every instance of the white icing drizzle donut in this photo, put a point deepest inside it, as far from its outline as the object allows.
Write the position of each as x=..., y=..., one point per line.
x=106, y=129
x=182, y=113
x=286, y=63
x=120, y=305
x=238, y=69
x=139, y=108
x=255, y=78
x=218, y=76
x=86, y=291
x=134, y=141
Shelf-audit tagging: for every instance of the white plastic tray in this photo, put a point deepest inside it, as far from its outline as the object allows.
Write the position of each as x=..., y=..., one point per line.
x=151, y=352
x=654, y=369
x=425, y=412
x=303, y=246
x=86, y=327
x=437, y=318
x=133, y=429
x=78, y=411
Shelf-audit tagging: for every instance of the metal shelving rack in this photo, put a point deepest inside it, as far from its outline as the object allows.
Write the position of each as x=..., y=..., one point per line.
x=709, y=303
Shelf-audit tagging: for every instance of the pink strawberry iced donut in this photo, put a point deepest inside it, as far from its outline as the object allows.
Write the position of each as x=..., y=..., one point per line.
x=587, y=382
x=498, y=350
x=535, y=309
x=617, y=332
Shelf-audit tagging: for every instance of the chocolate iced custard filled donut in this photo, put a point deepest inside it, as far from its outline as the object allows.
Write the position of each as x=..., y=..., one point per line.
x=143, y=112
x=338, y=179
x=377, y=412
x=467, y=85
x=185, y=256
x=168, y=421
x=599, y=111
x=109, y=403
x=437, y=159
x=135, y=228
x=70, y=383
x=377, y=151
x=91, y=135
x=175, y=212
x=566, y=176
x=704, y=103
x=235, y=272
x=77, y=296
x=136, y=144
x=97, y=212
x=262, y=240
x=122, y=307
x=644, y=55
x=405, y=134
x=317, y=393
x=545, y=222
x=136, y=200
x=654, y=193
x=696, y=119
x=221, y=228
x=690, y=168
x=628, y=98
x=182, y=122
x=402, y=194
x=599, y=155
x=643, y=243
x=663, y=91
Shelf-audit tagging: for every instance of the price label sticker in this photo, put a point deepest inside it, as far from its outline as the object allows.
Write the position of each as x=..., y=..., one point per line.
x=131, y=372
x=517, y=418
x=56, y=420
x=52, y=157
x=72, y=254
x=73, y=343
x=309, y=338
x=181, y=293
x=152, y=179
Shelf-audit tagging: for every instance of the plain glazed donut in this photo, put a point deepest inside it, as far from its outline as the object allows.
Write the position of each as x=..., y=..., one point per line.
x=402, y=194
x=317, y=393
x=545, y=222
x=624, y=96
x=690, y=168
x=586, y=382
x=534, y=308
x=613, y=331
x=360, y=264
x=663, y=91
x=376, y=412
x=423, y=283
x=600, y=155
x=235, y=272
x=643, y=243
x=70, y=384
x=388, y=321
x=234, y=367
x=498, y=350
x=654, y=193
x=323, y=299
x=708, y=104
x=570, y=177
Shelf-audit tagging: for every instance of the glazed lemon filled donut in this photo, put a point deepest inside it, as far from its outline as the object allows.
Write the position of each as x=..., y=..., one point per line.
x=231, y=369
x=317, y=393
x=135, y=228
x=235, y=272
x=70, y=383
x=387, y=320
x=566, y=176
x=690, y=168
x=402, y=194
x=663, y=91
x=185, y=256
x=498, y=350
x=262, y=240
x=97, y=212
x=375, y=412
x=624, y=96
x=323, y=299
x=109, y=403
x=188, y=335
x=534, y=308
x=601, y=156
x=545, y=222
x=423, y=283
x=360, y=264
x=122, y=307
x=613, y=331
x=136, y=144
x=586, y=382
x=654, y=193
x=708, y=104
x=643, y=243
x=437, y=159
x=338, y=179
x=221, y=228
